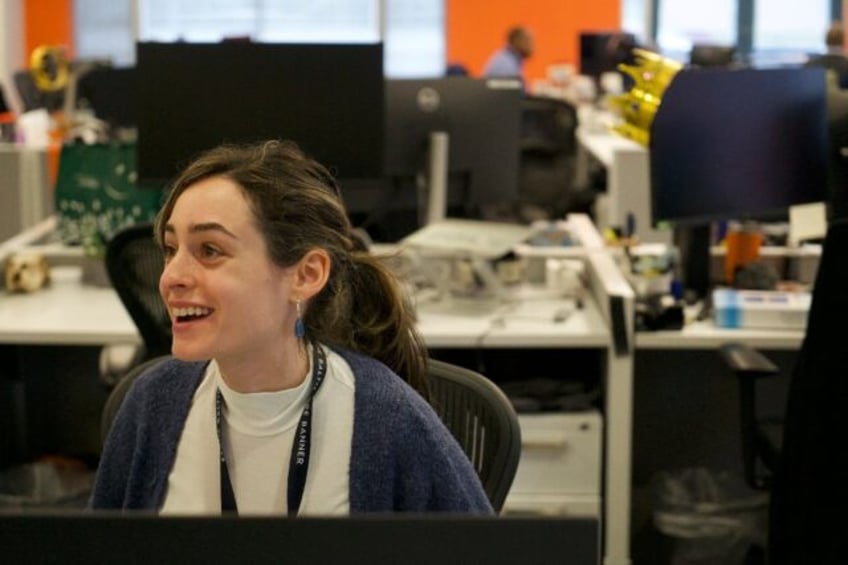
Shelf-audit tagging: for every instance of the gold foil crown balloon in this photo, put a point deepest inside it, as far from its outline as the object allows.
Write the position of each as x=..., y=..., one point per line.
x=651, y=74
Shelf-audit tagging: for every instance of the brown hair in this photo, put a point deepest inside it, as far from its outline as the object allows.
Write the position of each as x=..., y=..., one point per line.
x=298, y=207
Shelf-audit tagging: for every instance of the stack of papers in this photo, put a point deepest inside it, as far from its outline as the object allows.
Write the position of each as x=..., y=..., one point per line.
x=475, y=238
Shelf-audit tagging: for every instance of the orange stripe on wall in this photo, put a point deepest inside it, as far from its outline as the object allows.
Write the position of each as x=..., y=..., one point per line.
x=48, y=22
x=476, y=28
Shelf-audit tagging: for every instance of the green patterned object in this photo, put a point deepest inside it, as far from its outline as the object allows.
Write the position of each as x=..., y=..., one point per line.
x=97, y=194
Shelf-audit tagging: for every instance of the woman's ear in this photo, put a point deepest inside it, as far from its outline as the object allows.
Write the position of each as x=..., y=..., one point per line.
x=311, y=273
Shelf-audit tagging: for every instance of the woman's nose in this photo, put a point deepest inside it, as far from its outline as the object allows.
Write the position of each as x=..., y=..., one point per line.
x=176, y=272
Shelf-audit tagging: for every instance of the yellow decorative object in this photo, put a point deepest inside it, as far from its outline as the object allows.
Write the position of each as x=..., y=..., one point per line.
x=49, y=67
x=651, y=74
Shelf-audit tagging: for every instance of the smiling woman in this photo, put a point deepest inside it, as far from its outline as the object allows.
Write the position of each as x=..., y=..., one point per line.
x=288, y=339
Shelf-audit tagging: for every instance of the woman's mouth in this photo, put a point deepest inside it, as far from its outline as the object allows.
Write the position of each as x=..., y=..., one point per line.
x=190, y=313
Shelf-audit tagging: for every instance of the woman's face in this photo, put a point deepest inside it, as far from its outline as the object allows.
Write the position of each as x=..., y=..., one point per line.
x=227, y=300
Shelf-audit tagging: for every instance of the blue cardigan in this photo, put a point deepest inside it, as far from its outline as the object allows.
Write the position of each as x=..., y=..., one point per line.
x=403, y=459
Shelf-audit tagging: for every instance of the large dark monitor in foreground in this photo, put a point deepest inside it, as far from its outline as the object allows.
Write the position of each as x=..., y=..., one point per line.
x=482, y=118
x=738, y=144
x=430, y=539
x=327, y=98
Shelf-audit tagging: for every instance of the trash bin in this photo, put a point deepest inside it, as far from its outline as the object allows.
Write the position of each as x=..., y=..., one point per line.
x=709, y=517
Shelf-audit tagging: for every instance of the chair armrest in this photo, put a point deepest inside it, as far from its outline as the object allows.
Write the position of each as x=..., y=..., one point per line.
x=744, y=360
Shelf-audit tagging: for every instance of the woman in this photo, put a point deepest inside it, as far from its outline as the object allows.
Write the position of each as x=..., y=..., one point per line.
x=283, y=395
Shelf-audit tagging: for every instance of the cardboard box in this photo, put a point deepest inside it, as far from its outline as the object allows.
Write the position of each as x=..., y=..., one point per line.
x=768, y=309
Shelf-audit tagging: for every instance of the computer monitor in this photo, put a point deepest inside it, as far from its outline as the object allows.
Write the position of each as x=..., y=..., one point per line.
x=742, y=144
x=712, y=55
x=110, y=93
x=326, y=97
x=738, y=144
x=602, y=51
x=113, y=537
x=482, y=120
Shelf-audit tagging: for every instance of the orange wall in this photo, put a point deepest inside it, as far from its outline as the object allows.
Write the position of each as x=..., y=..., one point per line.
x=475, y=28
x=48, y=22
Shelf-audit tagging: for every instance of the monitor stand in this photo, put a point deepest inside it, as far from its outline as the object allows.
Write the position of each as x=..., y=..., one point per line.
x=433, y=201
x=693, y=242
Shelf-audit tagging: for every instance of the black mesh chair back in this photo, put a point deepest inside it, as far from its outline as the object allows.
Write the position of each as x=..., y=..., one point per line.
x=548, y=157
x=484, y=422
x=134, y=262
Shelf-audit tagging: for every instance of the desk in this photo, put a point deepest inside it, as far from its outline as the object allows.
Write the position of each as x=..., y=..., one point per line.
x=66, y=313
x=686, y=411
x=524, y=323
x=706, y=335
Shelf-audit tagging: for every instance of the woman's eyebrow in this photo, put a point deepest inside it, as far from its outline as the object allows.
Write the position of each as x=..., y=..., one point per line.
x=211, y=226
x=204, y=227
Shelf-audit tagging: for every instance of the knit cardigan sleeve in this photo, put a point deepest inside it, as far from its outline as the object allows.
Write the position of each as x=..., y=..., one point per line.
x=141, y=446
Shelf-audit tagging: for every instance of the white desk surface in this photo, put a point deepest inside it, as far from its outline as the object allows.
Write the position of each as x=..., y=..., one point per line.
x=66, y=313
x=524, y=323
x=70, y=313
x=705, y=335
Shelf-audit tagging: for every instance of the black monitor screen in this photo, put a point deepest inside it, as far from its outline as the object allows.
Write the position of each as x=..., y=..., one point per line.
x=602, y=51
x=482, y=118
x=110, y=94
x=327, y=98
x=738, y=144
x=710, y=55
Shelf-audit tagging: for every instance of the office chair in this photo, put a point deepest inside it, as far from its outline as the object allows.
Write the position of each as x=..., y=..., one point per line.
x=134, y=262
x=808, y=488
x=548, y=154
x=761, y=437
x=32, y=98
x=483, y=420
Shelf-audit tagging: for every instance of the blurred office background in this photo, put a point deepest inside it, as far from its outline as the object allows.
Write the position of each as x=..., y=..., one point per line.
x=421, y=36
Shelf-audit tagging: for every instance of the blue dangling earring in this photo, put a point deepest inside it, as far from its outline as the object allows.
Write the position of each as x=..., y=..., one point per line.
x=299, y=327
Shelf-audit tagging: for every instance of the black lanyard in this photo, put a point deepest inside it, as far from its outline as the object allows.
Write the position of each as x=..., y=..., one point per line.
x=299, y=462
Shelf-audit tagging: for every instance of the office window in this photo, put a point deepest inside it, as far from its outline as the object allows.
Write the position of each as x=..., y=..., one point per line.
x=785, y=34
x=681, y=23
x=104, y=30
x=280, y=21
x=415, y=38
x=413, y=34
x=634, y=19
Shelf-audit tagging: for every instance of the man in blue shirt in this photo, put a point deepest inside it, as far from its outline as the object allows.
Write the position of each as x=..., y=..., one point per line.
x=509, y=60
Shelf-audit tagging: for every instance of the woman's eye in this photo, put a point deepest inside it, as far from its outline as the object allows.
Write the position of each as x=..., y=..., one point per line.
x=210, y=251
x=168, y=251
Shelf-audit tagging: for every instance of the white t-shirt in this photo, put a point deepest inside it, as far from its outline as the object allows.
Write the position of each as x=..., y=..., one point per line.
x=258, y=434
